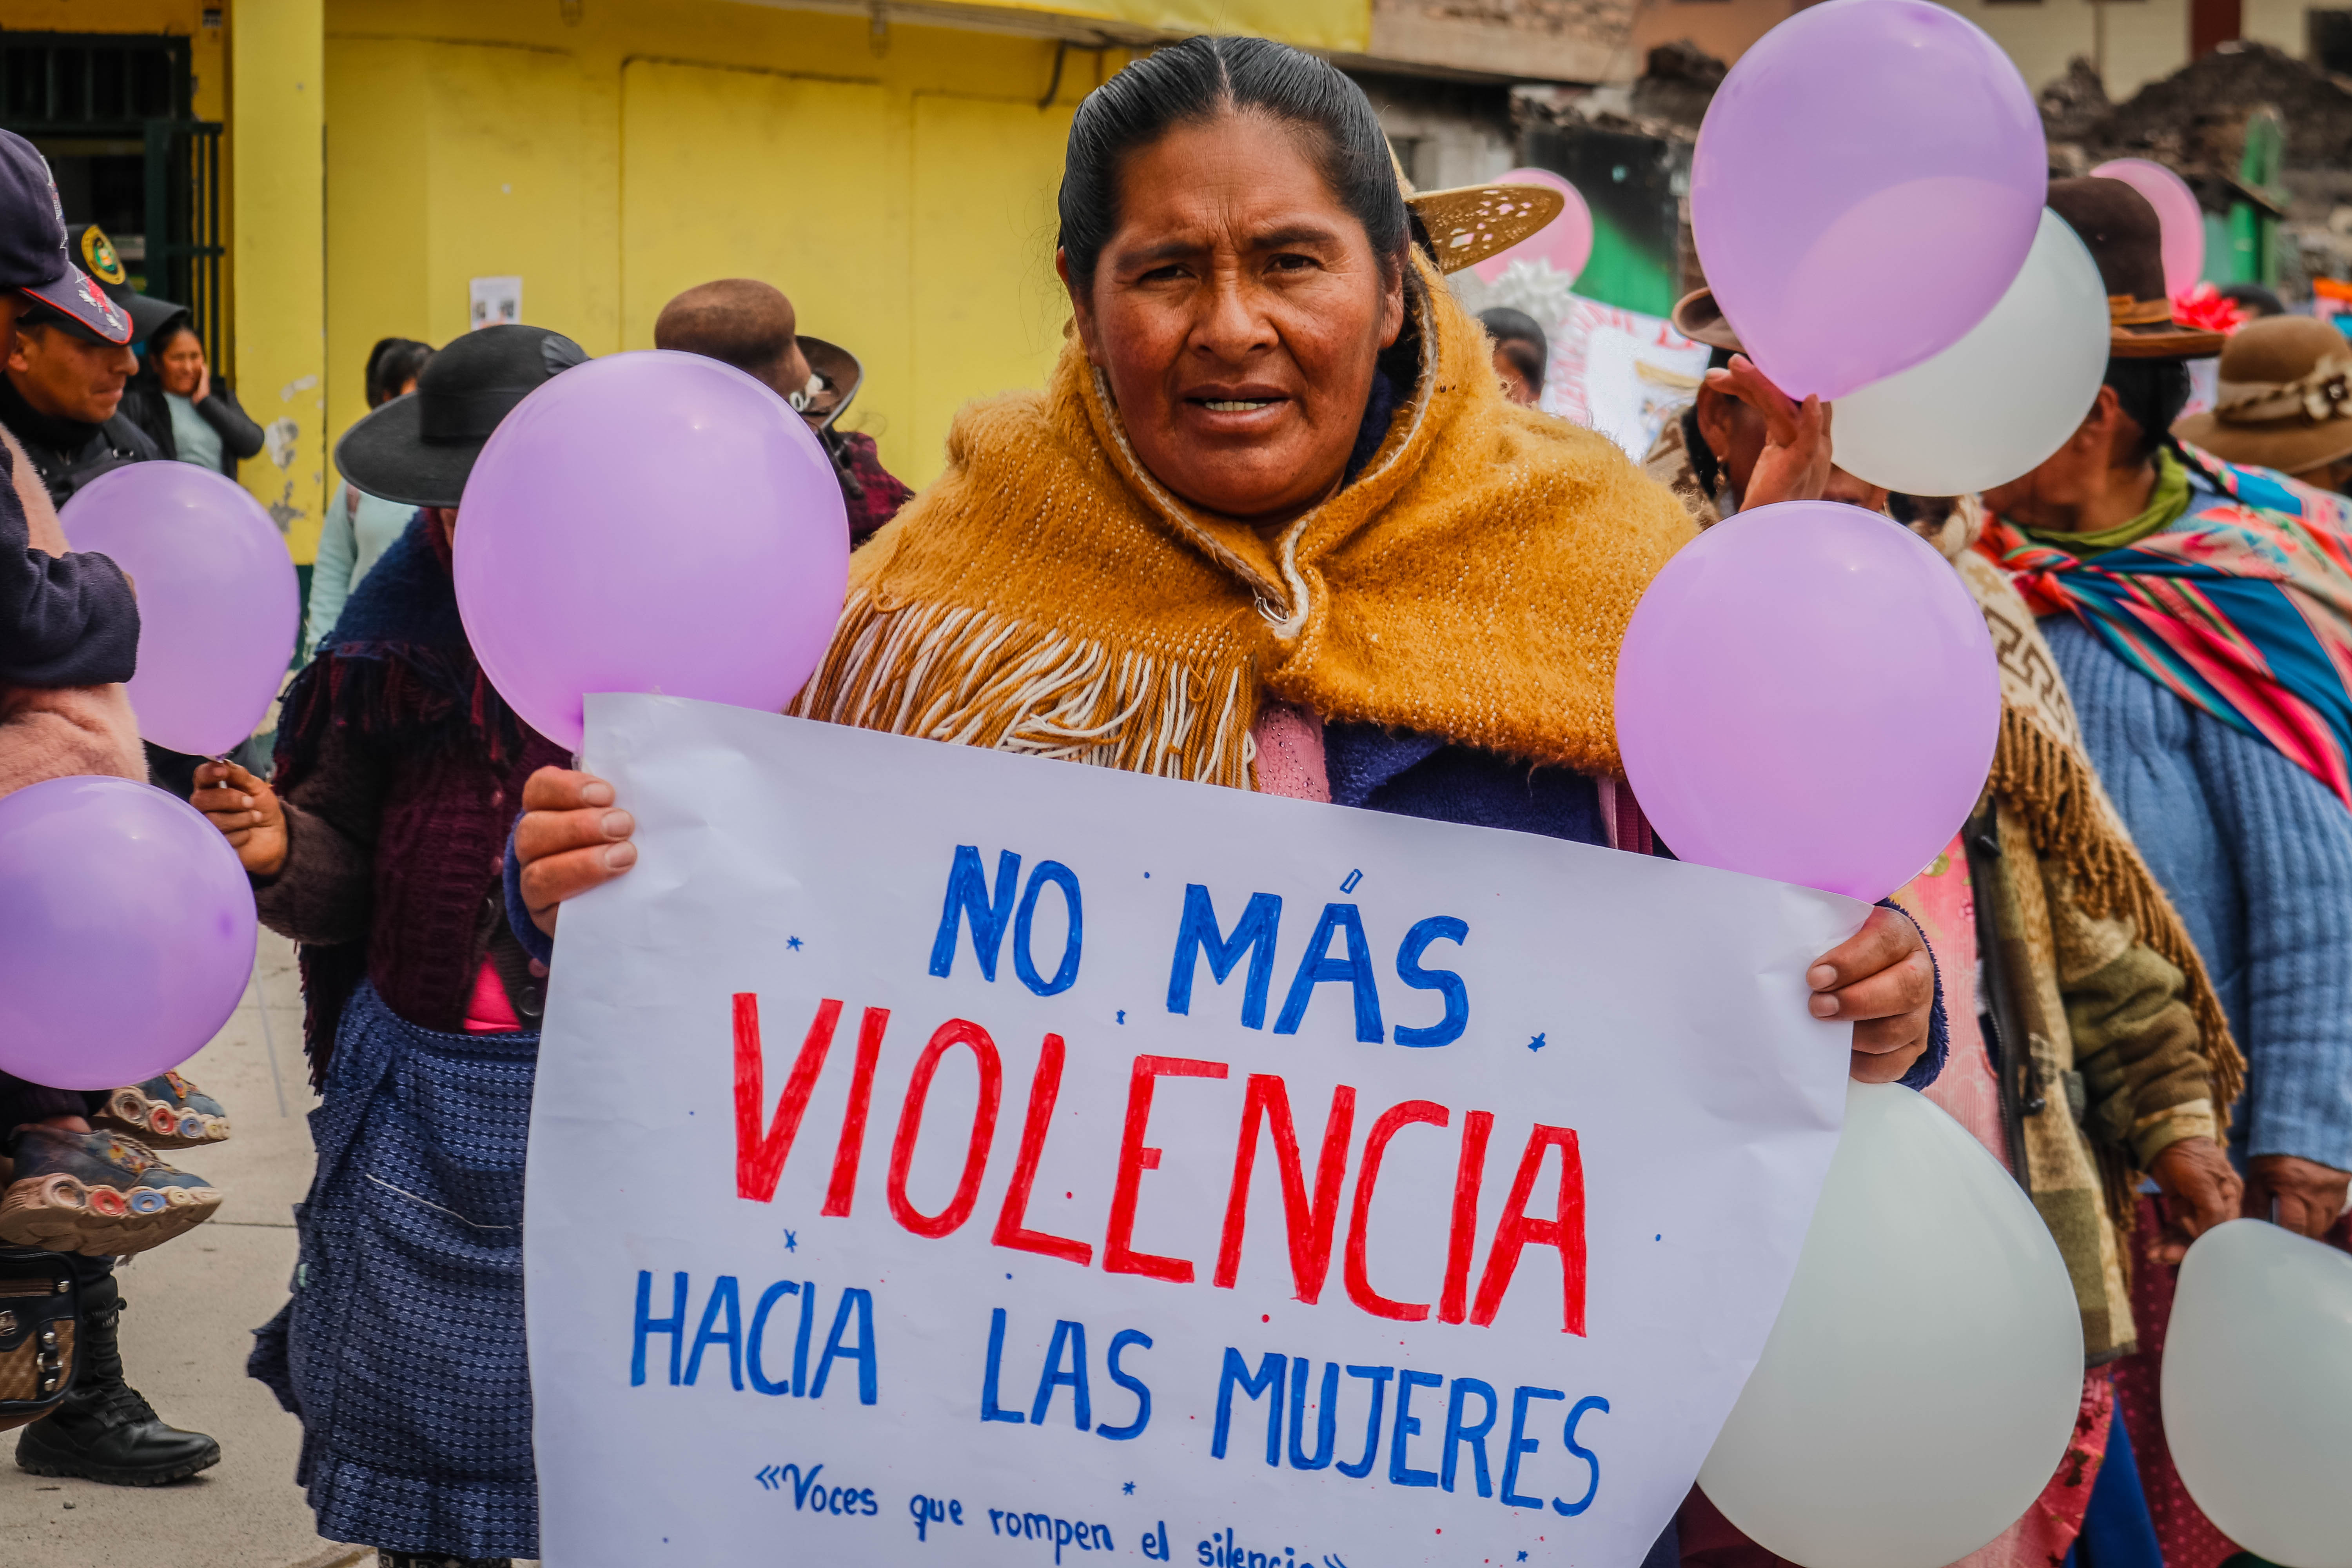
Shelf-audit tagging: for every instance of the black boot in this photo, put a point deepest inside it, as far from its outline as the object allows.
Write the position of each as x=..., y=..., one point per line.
x=436, y=1560
x=104, y=1431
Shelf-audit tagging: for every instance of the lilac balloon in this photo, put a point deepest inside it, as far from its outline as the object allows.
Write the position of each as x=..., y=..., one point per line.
x=652, y=521
x=219, y=601
x=1807, y=693
x=1867, y=182
x=131, y=933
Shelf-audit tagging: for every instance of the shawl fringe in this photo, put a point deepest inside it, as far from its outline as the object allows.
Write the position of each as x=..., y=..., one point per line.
x=974, y=677
x=2060, y=804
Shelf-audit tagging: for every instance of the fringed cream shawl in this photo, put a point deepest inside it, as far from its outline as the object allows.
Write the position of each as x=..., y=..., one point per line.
x=1047, y=595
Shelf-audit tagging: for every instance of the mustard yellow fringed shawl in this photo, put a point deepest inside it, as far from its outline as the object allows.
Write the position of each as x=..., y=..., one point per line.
x=1046, y=595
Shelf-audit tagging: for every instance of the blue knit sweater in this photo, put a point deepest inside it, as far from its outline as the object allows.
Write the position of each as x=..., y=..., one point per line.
x=2257, y=856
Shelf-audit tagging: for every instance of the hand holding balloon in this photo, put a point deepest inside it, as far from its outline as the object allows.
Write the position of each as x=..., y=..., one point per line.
x=2303, y=1195
x=245, y=810
x=2200, y=1189
x=1795, y=462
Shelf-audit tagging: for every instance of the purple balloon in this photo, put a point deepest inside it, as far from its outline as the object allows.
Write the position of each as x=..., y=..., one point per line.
x=131, y=933
x=653, y=522
x=219, y=601
x=1867, y=182
x=1807, y=692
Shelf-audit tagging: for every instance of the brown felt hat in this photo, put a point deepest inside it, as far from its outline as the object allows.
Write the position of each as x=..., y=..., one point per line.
x=2125, y=237
x=2285, y=399
x=1698, y=317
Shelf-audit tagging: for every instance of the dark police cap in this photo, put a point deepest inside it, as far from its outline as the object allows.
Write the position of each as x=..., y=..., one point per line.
x=33, y=253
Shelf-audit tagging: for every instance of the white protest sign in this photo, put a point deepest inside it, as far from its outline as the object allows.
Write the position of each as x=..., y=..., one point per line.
x=946, y=1156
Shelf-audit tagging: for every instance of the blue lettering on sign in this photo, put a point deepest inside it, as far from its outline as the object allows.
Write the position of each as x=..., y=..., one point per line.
x=809, y=1496
x=1064, y=1534
x=721, y=1323
x=1255, y=935
x=1316, y=966
x=1065, y=1366
x=971, y=902
x=1462, y=1459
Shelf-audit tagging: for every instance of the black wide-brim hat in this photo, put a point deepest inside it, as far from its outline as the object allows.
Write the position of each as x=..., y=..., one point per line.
x=419, y=450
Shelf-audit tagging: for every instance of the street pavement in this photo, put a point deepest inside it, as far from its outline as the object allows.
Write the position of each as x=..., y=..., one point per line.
x=192, y=1307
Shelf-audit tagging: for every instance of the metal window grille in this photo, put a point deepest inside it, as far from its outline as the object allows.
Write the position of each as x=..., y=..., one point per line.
x=118, y=97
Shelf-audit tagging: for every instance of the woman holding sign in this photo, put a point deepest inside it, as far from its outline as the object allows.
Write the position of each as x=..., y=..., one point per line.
x=1272, y=524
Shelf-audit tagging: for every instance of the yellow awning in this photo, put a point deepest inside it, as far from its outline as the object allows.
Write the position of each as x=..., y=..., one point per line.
x=1339, y=26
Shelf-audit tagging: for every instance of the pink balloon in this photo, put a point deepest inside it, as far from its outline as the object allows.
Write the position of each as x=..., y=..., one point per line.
x=652, y=521
x=1566, y=242
x=1807, y=693
x=219, y=601
x=130, y=931
x=2177, y=210
x=1867, y=182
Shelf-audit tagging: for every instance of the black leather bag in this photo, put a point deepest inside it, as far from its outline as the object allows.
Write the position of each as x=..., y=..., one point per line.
x=40, y=1313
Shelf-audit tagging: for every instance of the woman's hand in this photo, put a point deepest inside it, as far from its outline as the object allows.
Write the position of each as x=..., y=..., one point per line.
x=2201, y=1190
x=245, y=810
x=1795, y=462
x=204, y=387
x=1882, y=979
x=2304, y=1196
x=571, y=838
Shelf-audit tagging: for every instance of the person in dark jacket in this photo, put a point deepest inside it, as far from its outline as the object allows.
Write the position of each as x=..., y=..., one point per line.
x=749, y=325
x=376, y=847
x=190, y=417
x=68, y=637
x=62, y=395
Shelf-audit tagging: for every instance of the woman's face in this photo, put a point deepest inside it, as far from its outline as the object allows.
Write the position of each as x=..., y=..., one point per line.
x=1236, y=312
x=181, y=364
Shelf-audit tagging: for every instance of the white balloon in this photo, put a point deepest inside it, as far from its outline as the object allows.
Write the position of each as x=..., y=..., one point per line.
x=1991, y=407
x=1920, y=1385
x=2258, y=1391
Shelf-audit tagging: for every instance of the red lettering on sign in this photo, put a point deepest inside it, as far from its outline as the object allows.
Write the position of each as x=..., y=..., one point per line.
x=1011, y=1228
x=1467, y=1175
x=1267, y=1099
x=1517, y=1230
x=1134, y=1159
x=954, y=1032
x=759, y=1160
x=852, y=1149
x=1394, y=1120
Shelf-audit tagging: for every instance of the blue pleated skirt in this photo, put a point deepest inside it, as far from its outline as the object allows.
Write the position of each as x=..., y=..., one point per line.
x=402, y=1348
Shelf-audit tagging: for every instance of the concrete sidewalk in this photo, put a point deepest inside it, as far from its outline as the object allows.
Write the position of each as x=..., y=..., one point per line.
x=192, y=1307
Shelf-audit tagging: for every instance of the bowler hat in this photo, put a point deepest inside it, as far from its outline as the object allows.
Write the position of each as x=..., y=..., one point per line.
x=2120, y=228
x=2285, y=397
x=417, y=450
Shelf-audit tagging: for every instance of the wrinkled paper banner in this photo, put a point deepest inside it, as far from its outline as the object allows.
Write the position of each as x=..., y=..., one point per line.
x=883, y=1201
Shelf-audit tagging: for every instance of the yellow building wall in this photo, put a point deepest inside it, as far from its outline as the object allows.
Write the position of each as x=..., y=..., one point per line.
x=904, y=198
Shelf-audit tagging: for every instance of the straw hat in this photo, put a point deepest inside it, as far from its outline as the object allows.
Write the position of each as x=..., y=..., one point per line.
x=1470, y=223
x=2285, y=397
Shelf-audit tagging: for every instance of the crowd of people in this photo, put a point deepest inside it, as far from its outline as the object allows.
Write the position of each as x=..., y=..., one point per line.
x=2129, y=976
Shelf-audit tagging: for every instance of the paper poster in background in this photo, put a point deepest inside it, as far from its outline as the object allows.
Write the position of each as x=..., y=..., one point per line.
x=1620, y=372
x=494, y=302
x=939, y=1155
